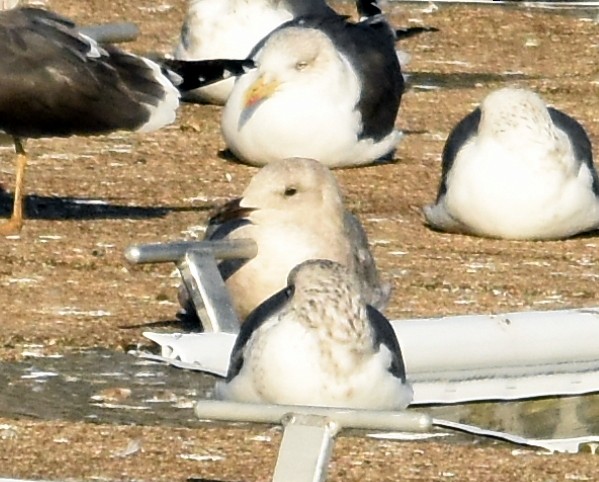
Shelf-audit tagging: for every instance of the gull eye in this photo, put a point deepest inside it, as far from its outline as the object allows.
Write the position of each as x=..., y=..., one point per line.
x=290, y=191
x=289, y=291
x=301, y=65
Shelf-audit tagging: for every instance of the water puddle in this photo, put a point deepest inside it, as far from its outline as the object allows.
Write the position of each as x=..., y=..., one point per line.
x=543, y=418
x=101, y=386
x=110, y=387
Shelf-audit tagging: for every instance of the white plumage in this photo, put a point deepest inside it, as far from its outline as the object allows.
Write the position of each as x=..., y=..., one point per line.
x=515, y=169
x=229, y=29
x=317, y=343
x=323, y=88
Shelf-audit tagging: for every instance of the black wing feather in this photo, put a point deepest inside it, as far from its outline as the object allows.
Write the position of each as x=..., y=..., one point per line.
x=200, y=73
x=407, y=32
x=385, y=335
x=369, y=46
x=254, y=321
x=368, y=8
x=227, y=219
x=583, y=149
x=460, y=135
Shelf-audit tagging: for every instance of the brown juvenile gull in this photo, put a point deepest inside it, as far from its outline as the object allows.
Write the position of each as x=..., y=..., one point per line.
x=514, y=168
x=324, y=88
x=55, y=81
x=318, y=343
x=294, y=211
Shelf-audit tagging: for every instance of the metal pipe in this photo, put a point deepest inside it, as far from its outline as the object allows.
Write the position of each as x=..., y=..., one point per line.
x=174, y=252
x=346, y=418
x=115, y=32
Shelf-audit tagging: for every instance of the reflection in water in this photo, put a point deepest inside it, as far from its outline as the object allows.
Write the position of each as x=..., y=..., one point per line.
x=112, y=387
x=542, y=418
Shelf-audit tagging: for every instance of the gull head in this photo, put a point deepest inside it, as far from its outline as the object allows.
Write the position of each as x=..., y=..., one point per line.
x=516, y=116
x=295, y=185
x=293, y=56
x=326, y=296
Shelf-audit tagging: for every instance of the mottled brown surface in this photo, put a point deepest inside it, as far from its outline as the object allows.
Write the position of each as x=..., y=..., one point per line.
x=65, y=284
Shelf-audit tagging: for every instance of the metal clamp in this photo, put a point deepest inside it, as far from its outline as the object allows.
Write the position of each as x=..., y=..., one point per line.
x=309, y=432
x=196, y=262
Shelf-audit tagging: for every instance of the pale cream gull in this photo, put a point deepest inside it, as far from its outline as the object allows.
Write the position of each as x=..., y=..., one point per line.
x=294, y=211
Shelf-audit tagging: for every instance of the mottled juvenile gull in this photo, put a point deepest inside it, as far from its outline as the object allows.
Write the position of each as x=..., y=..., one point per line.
x=229, y=29
x=515, y=168
x=317, y=342
x=324, y=88
x=57, y=82
x=294, y=211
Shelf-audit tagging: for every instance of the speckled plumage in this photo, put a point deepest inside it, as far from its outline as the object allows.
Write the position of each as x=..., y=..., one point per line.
x=317, y=343
x=515, y=168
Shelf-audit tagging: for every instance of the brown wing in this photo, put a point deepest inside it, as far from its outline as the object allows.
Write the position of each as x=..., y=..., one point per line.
x=56, y=82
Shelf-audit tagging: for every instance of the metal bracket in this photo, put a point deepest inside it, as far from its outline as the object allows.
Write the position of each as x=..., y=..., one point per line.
x=309, y=432
x=196, y=262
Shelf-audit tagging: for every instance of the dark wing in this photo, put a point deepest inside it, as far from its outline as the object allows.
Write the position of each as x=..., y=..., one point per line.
x=460, y=135
x=226, y=219
x=369, y=46
x=375, y=293
x=407, y=32
x=57, y=82
x=385, y=335
x=368, y=8
x=231, y=210
x=200, y=73
x=223, y=222
x=254, y=320
x=583, y=150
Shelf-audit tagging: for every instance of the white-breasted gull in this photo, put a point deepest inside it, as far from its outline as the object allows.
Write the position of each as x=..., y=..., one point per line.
x=514, y=168
x=229, y=29
x=294, y=210
x=324, y=88
x=55, y=81
x=317, y=343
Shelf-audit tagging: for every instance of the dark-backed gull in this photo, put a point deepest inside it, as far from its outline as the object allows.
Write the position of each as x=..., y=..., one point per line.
x=56, y=81
x=515, y=168
x=294, y=211
x=317, y=343
x=324, y=88
x=229, y=29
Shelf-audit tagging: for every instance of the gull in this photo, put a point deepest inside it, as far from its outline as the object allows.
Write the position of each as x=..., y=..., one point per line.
x=324, y=88
x=317, y=343
x=294, y=211
x=55, y=81
x=514, y=168
x=229, y=29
